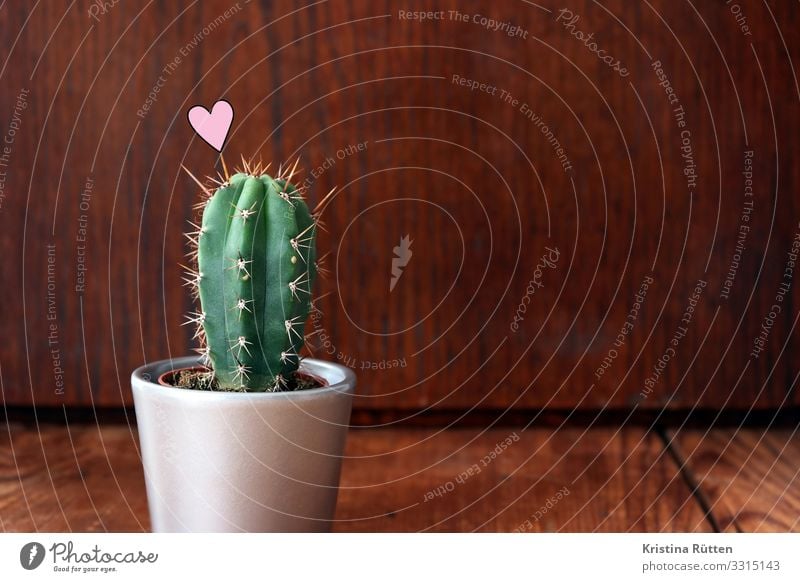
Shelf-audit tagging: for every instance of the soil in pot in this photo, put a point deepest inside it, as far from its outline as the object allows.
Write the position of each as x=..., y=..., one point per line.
x=201, y=378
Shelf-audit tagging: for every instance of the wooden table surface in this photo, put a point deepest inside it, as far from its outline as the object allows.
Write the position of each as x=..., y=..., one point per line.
x=89, y=478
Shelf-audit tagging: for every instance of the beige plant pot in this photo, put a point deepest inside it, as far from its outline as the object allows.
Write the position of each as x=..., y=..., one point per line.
x=230, y=462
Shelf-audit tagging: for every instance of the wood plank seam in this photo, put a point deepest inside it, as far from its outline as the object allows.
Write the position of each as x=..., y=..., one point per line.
x=673, y=450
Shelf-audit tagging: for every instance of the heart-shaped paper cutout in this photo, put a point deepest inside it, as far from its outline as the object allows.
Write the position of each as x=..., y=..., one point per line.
x=212, y=126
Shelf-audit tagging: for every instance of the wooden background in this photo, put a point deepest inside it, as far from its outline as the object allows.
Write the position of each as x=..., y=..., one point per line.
x=473, y=181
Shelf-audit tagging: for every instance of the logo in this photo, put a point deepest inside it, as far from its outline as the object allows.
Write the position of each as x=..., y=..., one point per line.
x=31, y=555
x=402, y=256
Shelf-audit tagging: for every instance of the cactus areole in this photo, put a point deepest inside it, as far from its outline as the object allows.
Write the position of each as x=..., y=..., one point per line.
x=256, y=266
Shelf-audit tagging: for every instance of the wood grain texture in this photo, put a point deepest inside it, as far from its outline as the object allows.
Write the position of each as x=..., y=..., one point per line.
x=472, y=178
x=90, y=479
x=745, y=476
x=572, y=480
x=80, y=478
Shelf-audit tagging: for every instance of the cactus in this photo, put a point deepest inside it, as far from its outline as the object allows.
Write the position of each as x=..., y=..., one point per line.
x=255, y=251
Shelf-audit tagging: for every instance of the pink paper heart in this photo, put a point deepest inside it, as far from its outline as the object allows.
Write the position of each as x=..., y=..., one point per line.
x=213, y=127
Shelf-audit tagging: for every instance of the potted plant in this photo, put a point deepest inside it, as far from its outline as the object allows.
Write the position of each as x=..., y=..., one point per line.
x=249, y=435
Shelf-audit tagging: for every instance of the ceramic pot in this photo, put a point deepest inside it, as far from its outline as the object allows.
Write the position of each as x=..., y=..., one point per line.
x=249, y=461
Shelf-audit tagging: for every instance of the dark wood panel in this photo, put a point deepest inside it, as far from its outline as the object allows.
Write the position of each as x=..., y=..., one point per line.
x=89, y=479
x=469, y=176
x=749, y=478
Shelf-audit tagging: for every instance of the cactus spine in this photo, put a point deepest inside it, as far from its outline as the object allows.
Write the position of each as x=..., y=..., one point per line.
x=256, y=266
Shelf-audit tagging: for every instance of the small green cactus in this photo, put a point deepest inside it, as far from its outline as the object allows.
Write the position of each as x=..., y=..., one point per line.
x=255, y=251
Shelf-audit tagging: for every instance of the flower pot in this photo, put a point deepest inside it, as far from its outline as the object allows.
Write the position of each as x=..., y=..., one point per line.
x=242, y=461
